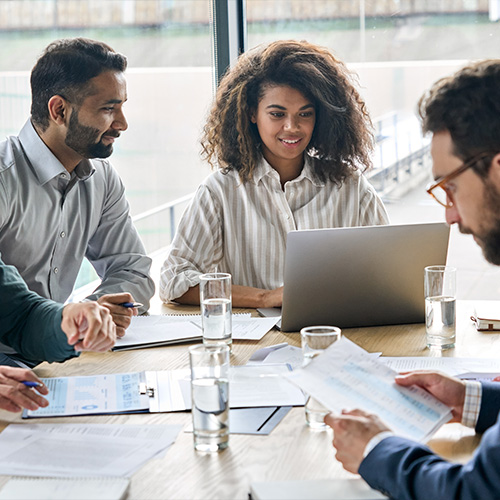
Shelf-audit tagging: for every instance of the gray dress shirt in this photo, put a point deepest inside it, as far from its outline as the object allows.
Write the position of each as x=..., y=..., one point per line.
x=50, y=220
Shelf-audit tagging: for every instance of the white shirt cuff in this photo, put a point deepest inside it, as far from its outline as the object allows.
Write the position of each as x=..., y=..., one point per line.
x=472, y=403
x=375, y=440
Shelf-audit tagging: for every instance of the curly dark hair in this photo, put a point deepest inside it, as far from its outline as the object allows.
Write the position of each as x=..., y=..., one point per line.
x=65, y=68
x=342, y=139
x=467, y=104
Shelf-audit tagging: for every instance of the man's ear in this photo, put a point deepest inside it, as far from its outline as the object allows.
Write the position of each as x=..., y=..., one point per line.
x=494, y=172
x=58, y=109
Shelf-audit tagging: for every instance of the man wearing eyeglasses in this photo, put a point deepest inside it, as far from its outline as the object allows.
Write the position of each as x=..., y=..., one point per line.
x=463, y=114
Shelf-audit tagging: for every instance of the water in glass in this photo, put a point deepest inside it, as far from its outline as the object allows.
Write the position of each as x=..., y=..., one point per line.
x=210, y=414
x=440, y=321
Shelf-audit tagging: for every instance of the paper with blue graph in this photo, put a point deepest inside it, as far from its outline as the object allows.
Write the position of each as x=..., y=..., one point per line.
x=347, y=377
x=87, y=395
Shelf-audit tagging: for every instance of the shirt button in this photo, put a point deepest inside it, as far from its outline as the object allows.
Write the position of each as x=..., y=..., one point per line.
x=63, y=234
x=56, y=270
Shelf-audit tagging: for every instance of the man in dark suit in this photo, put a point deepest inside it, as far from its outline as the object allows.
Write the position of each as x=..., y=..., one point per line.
x=463, y=114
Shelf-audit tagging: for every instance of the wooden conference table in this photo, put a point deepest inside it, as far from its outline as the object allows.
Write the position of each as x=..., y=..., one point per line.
x=292, y=450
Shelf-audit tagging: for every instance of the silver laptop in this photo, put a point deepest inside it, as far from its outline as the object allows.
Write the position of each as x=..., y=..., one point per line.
x=359, y=276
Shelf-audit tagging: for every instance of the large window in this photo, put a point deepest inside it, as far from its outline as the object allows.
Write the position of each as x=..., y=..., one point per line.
x=398, y=48
x=169, y=77
x=168, y=44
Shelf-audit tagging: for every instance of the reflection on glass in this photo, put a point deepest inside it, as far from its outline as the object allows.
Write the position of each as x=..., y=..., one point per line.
x=169, y=77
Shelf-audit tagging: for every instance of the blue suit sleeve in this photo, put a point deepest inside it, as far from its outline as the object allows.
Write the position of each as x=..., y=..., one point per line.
x=406, y=470
x=29, y=323
x=490, y=406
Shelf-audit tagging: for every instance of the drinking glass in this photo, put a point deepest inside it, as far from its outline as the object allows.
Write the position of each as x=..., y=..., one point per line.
x=215, y=300
x=315, y=339
x=210, y=396
x=440, y=300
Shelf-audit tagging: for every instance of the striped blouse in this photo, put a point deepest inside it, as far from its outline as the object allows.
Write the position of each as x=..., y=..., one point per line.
x=241, y=228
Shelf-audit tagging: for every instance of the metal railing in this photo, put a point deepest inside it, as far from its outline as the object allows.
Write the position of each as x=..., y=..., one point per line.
x=170, y=206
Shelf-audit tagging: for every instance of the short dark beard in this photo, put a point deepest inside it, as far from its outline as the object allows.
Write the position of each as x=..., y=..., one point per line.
x=491, y=241
x=84, y=140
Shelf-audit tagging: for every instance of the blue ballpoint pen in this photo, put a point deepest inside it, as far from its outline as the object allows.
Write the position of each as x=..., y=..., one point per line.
x=131, y=304
x=28, y=383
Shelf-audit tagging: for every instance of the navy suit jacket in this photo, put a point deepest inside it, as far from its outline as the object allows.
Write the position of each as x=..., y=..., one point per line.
x=406, y=470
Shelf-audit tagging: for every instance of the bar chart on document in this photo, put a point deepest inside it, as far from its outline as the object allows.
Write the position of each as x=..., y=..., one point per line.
x=93, y=395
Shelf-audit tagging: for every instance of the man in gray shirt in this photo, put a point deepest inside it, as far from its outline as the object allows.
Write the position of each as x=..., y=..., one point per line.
x=60, y=199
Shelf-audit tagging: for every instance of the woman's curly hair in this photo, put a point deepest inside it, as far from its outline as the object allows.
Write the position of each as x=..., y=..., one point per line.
x=342, y=139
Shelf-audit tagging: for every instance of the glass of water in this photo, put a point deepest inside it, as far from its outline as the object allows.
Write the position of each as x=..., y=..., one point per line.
x=210, y=396
x=215, y=300
x=440, y=299
x=315, y=339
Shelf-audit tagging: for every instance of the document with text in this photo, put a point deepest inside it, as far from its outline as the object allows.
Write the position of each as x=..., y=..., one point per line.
x=456, y=367
x=162, y=391
x=159, y=330
x=345, y=376
x=68, y=450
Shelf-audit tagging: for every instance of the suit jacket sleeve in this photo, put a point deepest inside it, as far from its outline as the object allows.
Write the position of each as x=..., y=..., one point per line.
x=29, y=323
x=406, y=470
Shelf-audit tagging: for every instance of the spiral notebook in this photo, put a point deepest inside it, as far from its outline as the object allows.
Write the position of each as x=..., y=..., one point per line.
x=77, y=488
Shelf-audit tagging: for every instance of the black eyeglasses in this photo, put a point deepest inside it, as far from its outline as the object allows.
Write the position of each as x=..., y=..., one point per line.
x=443, y=195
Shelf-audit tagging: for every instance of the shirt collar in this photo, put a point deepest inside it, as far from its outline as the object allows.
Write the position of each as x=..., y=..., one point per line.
x=44, y=163
x=264, y=169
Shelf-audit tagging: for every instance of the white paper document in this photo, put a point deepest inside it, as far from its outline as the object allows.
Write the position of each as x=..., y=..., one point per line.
x=252, y=328
x=276, y=354
x=157, y=330
x=93, y=395
x=162, y=391
x=246, y=327
x=65, y=488
x=68, y=450
x=451, y=366
x=319, y=489
x=249, y=387
x=347, y=377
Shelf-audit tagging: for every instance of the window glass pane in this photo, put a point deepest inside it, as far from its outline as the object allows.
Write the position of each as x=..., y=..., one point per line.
x=398, y=48
x=169, y=78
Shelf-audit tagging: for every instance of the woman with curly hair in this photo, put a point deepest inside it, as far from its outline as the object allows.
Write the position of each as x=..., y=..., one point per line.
x=290, y=136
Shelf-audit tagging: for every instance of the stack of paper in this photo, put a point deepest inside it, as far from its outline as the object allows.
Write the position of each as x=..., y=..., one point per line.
x=68, y=450
x=160, y=330
x=162, y=391
x=465, y=368
x=72, y=488
x=321, y=489
x=347, y=377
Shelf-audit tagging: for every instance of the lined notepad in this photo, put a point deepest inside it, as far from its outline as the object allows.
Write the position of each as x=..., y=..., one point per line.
x=48, y=488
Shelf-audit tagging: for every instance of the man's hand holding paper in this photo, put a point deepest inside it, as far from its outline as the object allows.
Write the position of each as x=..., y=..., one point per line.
x=347, y=377
x=355, y=430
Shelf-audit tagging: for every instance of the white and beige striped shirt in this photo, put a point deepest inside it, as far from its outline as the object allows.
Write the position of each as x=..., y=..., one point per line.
x=241, y=228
